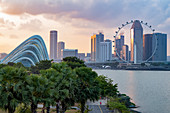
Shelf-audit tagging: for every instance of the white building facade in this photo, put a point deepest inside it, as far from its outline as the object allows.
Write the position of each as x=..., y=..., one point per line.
x=106, y=51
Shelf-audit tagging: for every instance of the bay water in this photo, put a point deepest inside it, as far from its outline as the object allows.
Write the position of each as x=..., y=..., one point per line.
x=148, y=89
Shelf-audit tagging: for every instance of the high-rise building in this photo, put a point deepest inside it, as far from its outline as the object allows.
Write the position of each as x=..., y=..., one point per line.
x=81, y=56
x=61, y=45
x=88, y=55
x=136, y=36
x=125, y=52
x=147, y=47
x=106, y=50
x=95, y=46
x=69, y=53
x=161, y=48
x=119, y=42
x=53, y=45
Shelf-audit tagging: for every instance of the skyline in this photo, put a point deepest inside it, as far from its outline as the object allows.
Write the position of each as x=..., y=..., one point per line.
x=22, y=19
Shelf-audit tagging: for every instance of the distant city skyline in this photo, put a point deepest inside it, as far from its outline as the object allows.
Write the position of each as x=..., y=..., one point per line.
x=76, y=24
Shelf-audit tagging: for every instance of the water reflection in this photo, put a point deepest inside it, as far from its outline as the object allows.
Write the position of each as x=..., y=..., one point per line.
x=131, y=86
x=149, y=89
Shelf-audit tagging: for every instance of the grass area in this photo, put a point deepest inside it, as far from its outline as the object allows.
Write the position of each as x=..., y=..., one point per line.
x=71, y=111
x=1, y=111
x=54, y=111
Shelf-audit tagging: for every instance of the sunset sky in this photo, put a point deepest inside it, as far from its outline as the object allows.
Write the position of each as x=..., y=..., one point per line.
x=76, y=20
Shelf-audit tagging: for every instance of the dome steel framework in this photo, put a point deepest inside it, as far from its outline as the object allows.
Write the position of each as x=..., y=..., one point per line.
x=29, y=52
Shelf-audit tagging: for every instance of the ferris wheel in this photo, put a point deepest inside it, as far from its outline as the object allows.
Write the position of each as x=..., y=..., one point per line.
x=142, y=23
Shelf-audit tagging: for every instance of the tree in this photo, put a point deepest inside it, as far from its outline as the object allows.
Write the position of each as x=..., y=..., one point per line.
x=38, y=88
x=107, y=87
x=19, y=65
x=74, y=62
x=2, y=65
x=42, y=65
x=64, y=84
x=12, y=87
x=88, y=86
x=115, y=104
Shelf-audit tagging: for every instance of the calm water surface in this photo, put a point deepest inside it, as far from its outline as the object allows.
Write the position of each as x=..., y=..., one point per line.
x=148, y=89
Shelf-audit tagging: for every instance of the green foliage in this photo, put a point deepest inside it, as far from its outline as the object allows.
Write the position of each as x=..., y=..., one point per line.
x=2, y=65
x=66, y=82
x=42, y=65
x=123, y=98
x=63, y=82
x=114, y=103
x=106, y=86
x=88, y=86
x=39, y=88
x=74, y=62
x=12, y=87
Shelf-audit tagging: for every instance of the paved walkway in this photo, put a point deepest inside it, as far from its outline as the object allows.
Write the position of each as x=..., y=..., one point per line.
x=99, y=109
x=98, y=106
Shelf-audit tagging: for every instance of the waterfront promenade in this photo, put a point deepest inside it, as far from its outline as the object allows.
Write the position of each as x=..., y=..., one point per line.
x=98, y=106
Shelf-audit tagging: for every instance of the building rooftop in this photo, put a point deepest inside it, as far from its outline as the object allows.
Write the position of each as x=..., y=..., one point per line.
x=136, y=24
x=69, y=49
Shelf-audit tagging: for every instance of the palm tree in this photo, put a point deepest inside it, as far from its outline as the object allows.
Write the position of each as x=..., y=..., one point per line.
x=38, y=87
x=12, y=87
x=88, y=86
x=63, y=79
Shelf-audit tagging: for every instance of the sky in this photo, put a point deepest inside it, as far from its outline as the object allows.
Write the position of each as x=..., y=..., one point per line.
x=77, y=20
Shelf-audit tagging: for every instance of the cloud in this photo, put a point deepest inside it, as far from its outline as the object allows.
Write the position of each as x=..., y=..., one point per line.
x=7, y=24
x=165, y=25
x=32, y=25
x=106, y=12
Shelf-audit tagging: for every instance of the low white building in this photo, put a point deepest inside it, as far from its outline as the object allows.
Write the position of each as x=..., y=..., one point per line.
x=69, y=53
x=106, y=50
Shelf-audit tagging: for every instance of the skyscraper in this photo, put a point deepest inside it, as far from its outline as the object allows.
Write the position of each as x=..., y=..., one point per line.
x=161, y=49
x=95, y=46
x=147, y=47
x=136, y=36
x=106, y=50
x=119, y=42
x=53, y=45
x=125, y=52
x=61, y=45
